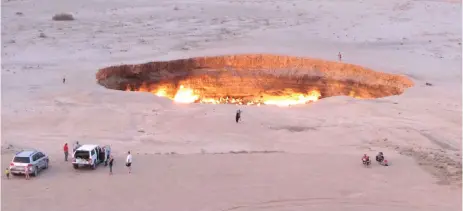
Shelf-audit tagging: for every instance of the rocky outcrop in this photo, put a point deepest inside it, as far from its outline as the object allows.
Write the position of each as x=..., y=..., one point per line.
x=255, y=75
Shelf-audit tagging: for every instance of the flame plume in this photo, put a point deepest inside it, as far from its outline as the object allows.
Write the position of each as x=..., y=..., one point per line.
x=184, y=94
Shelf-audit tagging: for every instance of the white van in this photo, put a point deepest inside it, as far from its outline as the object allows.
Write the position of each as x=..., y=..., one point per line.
x=90, y=155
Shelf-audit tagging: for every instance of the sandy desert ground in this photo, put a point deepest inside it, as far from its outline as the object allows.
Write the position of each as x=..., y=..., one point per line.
x=315, y=168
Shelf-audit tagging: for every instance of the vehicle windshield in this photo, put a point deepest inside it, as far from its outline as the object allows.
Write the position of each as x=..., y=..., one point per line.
x=82, y=154
x=21, y=160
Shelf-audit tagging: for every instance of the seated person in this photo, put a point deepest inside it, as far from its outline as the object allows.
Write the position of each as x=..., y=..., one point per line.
x=365, y=158
x=380, y=157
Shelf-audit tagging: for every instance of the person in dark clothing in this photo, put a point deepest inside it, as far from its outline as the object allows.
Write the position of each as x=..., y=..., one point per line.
x=380, y=157
x=111, y=162
x=238, y=116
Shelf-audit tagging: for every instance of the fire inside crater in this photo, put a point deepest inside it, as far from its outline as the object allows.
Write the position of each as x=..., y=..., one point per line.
x=252, y=79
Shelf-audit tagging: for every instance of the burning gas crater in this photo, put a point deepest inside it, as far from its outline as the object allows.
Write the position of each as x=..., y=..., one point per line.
x=252, y=80
x=188, y=95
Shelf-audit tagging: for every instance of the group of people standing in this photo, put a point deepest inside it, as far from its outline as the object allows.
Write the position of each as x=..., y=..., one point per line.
x=128, y=162
x=66, y=149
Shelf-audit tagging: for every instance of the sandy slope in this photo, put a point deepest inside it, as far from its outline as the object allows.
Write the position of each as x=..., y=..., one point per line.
x=420, y=130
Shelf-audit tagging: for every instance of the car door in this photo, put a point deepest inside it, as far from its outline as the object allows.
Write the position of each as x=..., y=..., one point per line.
x=38, y=160
x=35, y=161
x=41, y=160
x=98, y=154
x=93, y=155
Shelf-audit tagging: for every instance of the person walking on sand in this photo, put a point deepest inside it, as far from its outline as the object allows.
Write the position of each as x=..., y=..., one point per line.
x=128, y=162
x=7, y=173
x=340, y=56
x=238, y=115
x=66, y=151
x=26, y=172
x=111, y=162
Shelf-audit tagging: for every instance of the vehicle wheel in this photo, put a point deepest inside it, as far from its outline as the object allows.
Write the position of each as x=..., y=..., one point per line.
x=46, y=165
x=75, y=166
x=36, y=172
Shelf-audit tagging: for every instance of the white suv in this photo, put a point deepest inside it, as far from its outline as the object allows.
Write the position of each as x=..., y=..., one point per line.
x=90, y=155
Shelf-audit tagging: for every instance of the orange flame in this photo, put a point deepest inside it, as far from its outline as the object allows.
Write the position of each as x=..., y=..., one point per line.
x=294, y=99
x=186, y=95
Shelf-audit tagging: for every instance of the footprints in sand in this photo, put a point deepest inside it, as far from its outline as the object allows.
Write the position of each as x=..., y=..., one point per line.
x=355, y=199
x=444, y=164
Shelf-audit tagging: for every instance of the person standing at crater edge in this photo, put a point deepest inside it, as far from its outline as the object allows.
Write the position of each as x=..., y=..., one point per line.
x=238, y=115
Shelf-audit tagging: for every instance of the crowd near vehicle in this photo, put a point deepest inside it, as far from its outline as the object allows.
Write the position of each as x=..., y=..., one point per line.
x=90, y=155
x=34, y=160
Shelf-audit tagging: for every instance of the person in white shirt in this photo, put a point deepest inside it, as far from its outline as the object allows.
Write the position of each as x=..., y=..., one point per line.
x=128, y=162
